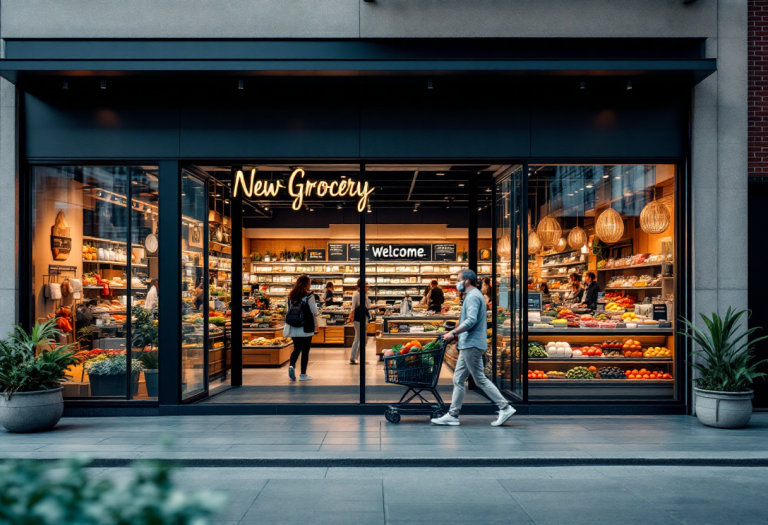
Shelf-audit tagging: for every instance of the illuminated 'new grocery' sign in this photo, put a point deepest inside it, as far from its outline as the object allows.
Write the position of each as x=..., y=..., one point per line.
x=299, y=189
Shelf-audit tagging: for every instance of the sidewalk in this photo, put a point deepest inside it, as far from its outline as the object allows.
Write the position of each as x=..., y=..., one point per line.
x=333, y=441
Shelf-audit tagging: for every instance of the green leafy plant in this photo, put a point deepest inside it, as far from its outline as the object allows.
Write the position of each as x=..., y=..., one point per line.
x=598, y=248
x=150, y=360
x=38, y=493
x=144, y=330
x=725, y=354
x=22, y=371
x=109, y=365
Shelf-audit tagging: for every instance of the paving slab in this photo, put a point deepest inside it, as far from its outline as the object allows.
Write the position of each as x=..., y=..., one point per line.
x=338, y=441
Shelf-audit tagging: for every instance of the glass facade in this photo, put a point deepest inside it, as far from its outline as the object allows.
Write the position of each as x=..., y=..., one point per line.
x=93, y=272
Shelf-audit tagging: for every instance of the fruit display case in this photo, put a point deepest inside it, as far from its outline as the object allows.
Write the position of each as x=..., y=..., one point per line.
x=557, y=267
x=604, y=365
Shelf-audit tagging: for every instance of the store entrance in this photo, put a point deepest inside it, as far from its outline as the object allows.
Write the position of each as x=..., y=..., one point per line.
x=417, y=226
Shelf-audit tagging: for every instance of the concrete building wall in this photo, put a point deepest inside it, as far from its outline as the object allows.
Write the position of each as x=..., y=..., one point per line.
x=356, y=18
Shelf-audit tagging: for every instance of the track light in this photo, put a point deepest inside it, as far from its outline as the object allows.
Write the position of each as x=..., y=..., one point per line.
x=589, y=185
x=338, y=206
x=369, y=208
x=311, y=209
x=461, y=185
x=240, y=84
x=103, y=84
x=429, y=84
x=629, y=85
x=583, y=85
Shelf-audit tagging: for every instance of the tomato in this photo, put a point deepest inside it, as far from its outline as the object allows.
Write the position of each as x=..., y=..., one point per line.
x=598, y=352
x=630, y=376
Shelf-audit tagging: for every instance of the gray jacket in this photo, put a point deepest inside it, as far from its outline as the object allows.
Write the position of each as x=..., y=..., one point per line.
x=473, y=320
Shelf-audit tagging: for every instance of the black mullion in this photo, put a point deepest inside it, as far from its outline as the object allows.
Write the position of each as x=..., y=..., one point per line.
x=495, y=281
x=236, y=306
x=206, y=280
x=363, y=318
x=522, y=257
x=169, y=311
x=128, y=302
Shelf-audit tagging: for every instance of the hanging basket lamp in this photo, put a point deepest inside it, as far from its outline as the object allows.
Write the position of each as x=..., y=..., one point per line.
x=561, y=245
x=534, y=243
x=549, y=231
x=577, y=238
x=655, y=218
x=610, y=226
x=504, y=246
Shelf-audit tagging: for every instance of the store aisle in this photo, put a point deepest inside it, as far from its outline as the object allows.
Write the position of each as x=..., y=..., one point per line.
x=334, y=381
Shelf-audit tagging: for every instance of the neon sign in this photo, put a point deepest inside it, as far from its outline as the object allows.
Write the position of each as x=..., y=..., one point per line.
x=299, y=189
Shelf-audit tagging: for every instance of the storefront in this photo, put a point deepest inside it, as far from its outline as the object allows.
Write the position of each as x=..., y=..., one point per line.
x=163, y=214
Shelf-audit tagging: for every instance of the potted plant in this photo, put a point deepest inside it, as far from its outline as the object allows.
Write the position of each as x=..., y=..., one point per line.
x=30, y=385
x=723, y=394
x=107, y=373
x=151, y=363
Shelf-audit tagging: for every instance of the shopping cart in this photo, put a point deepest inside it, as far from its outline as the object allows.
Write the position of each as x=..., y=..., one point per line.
x=420, y=373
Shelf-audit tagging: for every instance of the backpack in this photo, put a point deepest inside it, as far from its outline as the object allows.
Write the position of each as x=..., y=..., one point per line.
x=294, y=316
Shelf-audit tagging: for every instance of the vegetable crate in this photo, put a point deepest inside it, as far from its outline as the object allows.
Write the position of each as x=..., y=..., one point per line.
x=419, y=371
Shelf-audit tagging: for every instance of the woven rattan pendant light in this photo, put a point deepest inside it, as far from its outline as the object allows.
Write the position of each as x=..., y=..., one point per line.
x=549, y=230
x=561, y=245
x=534, y=243
x=655, y=217
x=609, y=226
x=577, y=236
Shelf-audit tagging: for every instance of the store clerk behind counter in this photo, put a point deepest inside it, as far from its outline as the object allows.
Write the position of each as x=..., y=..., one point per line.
x=591, y=291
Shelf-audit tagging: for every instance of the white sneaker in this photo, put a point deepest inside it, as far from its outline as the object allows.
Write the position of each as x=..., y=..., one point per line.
x=305, y=377
x=292, y=373
x=446, y=420
x=504, y=415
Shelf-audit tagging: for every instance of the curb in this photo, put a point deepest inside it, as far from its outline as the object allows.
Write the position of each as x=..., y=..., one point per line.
x=430, y=462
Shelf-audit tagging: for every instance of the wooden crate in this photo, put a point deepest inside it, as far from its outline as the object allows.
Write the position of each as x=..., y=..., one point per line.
x=267, y=356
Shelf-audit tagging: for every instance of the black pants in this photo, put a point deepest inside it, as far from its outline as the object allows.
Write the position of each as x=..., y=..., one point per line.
x=301, y=346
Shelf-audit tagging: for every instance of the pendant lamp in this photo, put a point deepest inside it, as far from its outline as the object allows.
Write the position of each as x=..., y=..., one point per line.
x=561, y=245
x=549, y=231
x=609, y=226
x=504, y=246
x=655, y=217
x=577, y=238
x=534, y=243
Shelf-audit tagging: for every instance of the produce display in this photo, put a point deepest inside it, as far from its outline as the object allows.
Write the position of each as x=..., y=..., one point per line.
x=559, y=349
x=656, y=373
x=537, y=374
x=263, y=341
x=555, y=375
x=657, y=352
x=632, y=348
x=612, y=372
x=589, y=351
x=536, y=349
x=579, y=372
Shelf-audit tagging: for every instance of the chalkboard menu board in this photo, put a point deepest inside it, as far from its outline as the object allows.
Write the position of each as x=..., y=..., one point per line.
x=443, y=252
x=353, y=251
x=338, y=252
x=315, y=255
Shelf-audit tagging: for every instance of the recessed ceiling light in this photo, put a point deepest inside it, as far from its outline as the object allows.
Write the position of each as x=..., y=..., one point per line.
x=343, y=176
x=439, y=174
x=606, y=176
x=589, y=185
x=570, y=194
x=581, y=189
x=461, y=185
x=311, y=209
x=617, y=177
x=488, y=190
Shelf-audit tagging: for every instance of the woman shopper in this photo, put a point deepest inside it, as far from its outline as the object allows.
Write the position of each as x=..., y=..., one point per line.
x=487, y=290
x=356, y=316
x=301, y=296
x=329, y=294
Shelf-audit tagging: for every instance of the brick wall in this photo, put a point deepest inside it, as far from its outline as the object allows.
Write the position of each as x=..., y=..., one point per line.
x=758, y=88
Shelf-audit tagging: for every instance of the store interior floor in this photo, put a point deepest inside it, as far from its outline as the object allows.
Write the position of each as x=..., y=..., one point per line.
x=334, y=380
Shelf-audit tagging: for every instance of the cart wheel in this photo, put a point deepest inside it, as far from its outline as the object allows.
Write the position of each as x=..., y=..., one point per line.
x=437, y=414
x=392, y=416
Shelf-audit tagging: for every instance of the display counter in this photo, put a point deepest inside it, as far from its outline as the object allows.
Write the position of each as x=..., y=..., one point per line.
x=399, y=329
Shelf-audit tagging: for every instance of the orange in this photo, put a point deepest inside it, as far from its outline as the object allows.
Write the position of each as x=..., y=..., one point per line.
x=646, y=376
x=631, y=376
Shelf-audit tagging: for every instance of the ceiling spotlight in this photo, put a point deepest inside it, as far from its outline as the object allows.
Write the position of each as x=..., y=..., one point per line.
x=65, y=85
x=338, y=206
x=240, y=84
x=629, y=85
x=103, y=84
x=226, y=201
x=369, y=209
x=429, y=84
x=461, y=185
x=570, y=194
x=415, y=209
x=589, y=185
x=617, y=177
x=583, y=85
x=581, y=189
x=606, y=176
x=311, y=209
x=488, y=190
x=266, y=207
x=439, y=174
x=343, y=176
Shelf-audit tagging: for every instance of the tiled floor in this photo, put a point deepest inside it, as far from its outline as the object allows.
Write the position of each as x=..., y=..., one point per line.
x=412, y=441
x=537, y=495
x=334, y=381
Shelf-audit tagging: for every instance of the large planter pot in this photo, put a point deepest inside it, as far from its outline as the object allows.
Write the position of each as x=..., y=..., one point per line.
x=150, y=378
x=31, y=411
x=723, y=409
x=112, y=385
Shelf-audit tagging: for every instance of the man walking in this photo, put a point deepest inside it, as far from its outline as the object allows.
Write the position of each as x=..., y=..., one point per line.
x=471, y=332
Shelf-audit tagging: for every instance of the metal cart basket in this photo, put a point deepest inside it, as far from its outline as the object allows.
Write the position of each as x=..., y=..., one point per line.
x=420, y=372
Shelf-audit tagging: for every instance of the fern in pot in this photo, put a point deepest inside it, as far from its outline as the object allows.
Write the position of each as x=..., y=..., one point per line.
x=107, y=373
x=726, y=369
x=32, y=369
